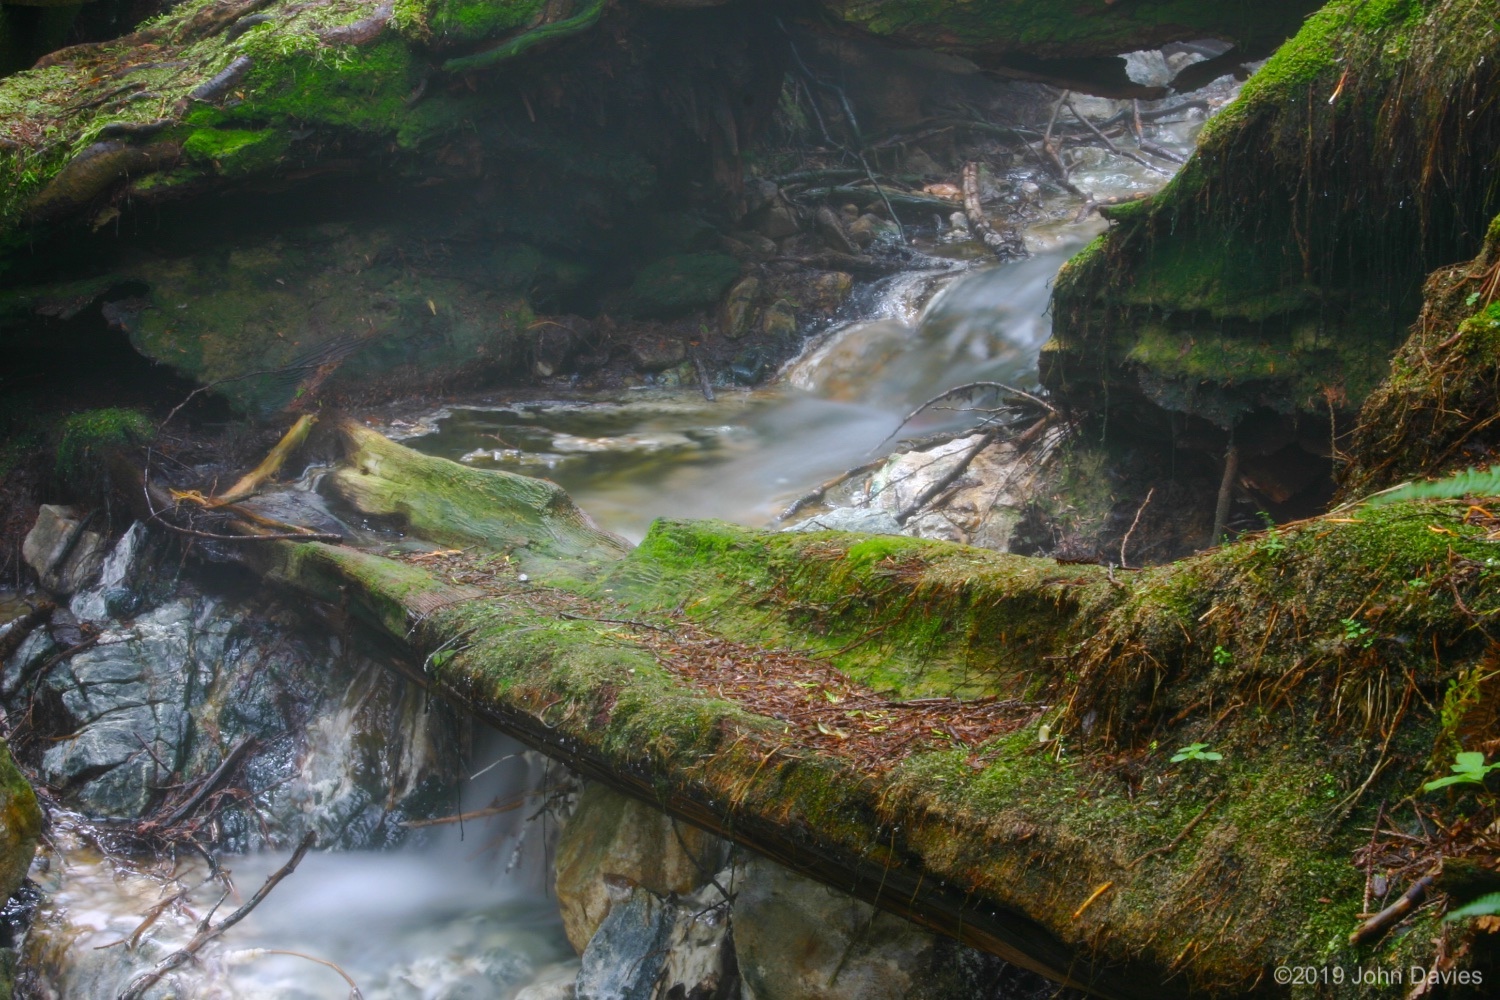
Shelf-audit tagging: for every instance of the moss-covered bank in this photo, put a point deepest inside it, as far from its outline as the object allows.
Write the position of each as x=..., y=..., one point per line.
x=1272, y=279
x=1314, y=659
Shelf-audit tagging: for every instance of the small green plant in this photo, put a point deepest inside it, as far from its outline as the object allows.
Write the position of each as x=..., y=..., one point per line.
x=1195, y=751
x=1357, y=633
x=1485, y=906
x=1469, y=769
x=1222, y=656
x=1273, y=543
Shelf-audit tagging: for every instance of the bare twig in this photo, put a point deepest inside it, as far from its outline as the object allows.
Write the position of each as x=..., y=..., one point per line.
x=817, y=494
x=206, y=934
x=1002, y=245
x=226, y=767
x=1110, y=145
x=961, y=389
x=1226, y=492
x=354, y=993
x=1138, y=512
x=1186, y=831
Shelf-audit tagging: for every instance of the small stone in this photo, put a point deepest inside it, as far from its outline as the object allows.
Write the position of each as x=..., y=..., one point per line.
x=739, y=308
x=656, y=352
x=523, y=578
x=777, y=221
x=779, y=319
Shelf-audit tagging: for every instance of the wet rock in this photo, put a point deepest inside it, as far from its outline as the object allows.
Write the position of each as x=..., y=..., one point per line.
x=759, y=193
x=738, y=310
x=831, y=229
x=625, y=956
x=612, y=837
x=679, y=284
x=654, y=352
x=20, y=824
x=779, y=319
x=867, y=229
x=829, y=291
x=61, y=549
x=761, y=245
x=776, y=221
x=800, y=940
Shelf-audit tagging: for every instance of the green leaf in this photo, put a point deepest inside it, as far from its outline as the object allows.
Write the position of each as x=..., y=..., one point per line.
x=1484, y=906
x=1464, y=484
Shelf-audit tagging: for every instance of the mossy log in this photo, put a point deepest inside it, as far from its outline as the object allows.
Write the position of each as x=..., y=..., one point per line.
x=1438, y=411
x=978, y=741
x=1274, y=277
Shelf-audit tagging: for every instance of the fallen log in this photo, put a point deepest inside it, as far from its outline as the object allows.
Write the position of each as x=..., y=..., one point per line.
x=598, y=657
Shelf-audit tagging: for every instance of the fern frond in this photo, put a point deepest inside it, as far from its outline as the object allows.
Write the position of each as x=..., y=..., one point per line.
x=1472, y=483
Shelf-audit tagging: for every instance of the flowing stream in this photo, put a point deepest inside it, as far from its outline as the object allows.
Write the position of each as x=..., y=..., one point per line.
x=465, y=912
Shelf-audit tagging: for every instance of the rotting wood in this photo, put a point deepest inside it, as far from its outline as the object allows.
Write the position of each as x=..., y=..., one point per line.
x=1380, y=922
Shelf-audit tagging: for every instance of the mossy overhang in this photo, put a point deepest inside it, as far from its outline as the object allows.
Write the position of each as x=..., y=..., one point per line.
x=1282, y=266
x=999, y=843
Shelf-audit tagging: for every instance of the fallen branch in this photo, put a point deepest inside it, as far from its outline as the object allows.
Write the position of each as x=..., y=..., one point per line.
x=271, y=464
x=1002, y=245
x=1186, y=832
x=205, y=935
x=818, y=493
x=951, y=476
x=206, y=787
x=1377, y=925
x=494, y=810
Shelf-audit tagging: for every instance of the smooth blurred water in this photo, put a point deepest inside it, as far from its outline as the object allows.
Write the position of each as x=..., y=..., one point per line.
x=463, y=913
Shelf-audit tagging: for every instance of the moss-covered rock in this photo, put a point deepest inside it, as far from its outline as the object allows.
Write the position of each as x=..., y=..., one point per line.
x=20, y=824
x=679, y=284
x=1276, y=274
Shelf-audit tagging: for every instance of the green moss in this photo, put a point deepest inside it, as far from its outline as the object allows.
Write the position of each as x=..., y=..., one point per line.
x=445, y=23
x=20, y=824
x=675, y=285
x=236, y=152
x=1311, y=212
x=86, y=440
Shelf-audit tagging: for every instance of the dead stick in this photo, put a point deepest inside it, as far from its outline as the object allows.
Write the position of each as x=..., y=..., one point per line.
x=504, y=807
x=1090, y=901
x=1186, y=831
x=1002, y=245
x=271, y=464
x=1226, y=492
x=1409, y=901
x=1110, y=145
x=948, y=478
x=813, y=496
x=205, y=935
x=354, y=993
x=1138, y=512
x=968, y=387
x=225, y=768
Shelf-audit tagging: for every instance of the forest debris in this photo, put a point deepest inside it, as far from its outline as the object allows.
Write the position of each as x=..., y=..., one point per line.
x=360, y=32
x=205, y=788
x=206, y=934
x=271, y=464
x=1094, y=896
x=1192, y=825
x=1003, y=245
x=220, y=83
x=1378, y=924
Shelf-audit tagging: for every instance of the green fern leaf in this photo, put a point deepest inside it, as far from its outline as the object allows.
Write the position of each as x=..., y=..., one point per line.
x=1473, y=483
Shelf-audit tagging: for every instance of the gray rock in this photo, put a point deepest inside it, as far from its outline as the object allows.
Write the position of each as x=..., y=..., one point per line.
x=872, y=521
x=64, y=554
x=832, y=232
x=624, y=958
